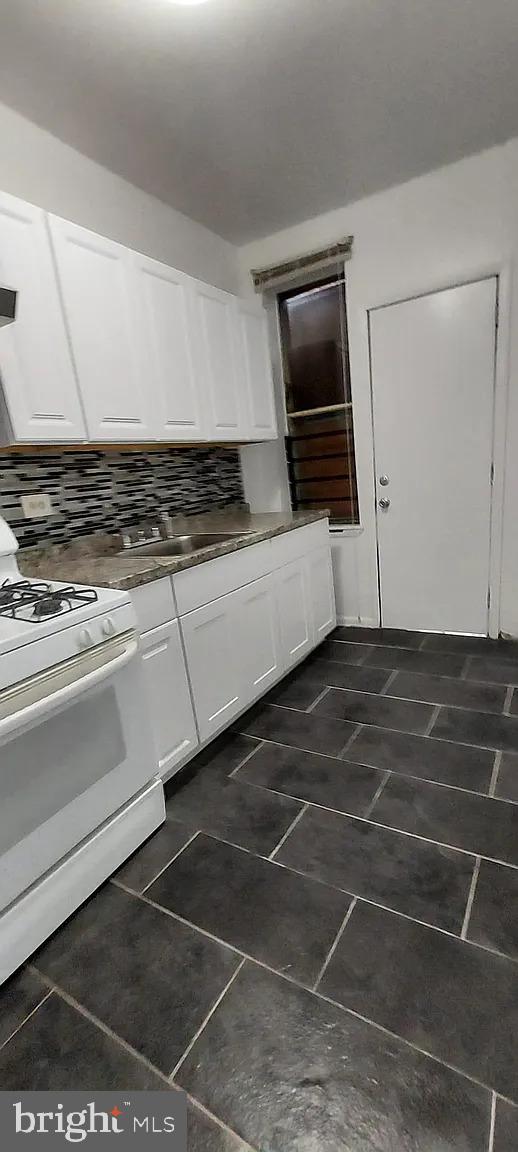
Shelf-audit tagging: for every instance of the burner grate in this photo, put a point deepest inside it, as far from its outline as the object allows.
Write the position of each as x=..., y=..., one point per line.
x=34, y=601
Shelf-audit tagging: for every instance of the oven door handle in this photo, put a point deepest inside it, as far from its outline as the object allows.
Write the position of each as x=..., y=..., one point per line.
x=20, y=717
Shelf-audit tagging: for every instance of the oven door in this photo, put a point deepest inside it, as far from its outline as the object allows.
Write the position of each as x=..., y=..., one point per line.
x=75, y=746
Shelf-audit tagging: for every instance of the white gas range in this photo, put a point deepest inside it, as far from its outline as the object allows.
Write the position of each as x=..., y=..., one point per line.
x=78, y=784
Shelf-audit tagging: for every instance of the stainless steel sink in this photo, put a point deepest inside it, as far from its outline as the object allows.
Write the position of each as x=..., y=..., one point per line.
x=179, y=545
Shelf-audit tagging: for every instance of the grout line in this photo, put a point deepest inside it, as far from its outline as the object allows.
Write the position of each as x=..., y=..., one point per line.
x=241, y=1145
x=390, y=681
x=350, y=739
x=376, y=796
x=422, y=644
x=324, y=692
x=508, y=698
x=465, y=669
x=492, y=1123
x=26, y=1018
x=289, y=831
x=285, y=707
x=173, y=858
x=433, y=718
x=335, y=943
x=246, y=759
x=471, y=897
x=100, y=1023
x=494, y=776
x=206, y=1021
x=368, y=649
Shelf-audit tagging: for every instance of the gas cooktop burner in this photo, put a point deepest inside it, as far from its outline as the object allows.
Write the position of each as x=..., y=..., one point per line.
x=33, y=601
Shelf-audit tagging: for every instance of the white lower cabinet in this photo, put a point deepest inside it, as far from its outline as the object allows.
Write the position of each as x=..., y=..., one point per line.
x=172, y=715
x=322, y=592
x=294, y=611
x=258, y=637
x=212, y=648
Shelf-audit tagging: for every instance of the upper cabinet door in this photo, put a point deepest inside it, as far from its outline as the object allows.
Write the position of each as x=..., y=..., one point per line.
x=102, y=317
x=36, y=369
x=166, y=303
x=252, y=325
x=218, y=356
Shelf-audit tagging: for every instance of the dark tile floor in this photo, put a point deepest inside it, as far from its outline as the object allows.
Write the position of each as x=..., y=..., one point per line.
x=321, y=943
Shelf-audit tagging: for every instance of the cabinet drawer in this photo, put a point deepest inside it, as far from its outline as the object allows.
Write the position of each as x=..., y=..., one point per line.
x=197, y=586
x=293, y=545
x=154, y=603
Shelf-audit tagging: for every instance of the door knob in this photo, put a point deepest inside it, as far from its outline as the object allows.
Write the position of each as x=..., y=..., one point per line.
x=384, y=502
x=384, y=481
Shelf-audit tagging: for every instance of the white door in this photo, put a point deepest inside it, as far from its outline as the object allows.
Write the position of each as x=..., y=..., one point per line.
x=254, y=351
x=166, y=300
x=104, y=326
x=36, y=368
x=169, y=698
x=294, y=612
x=433, y=366
x=218, y=354
x=212, y=647
x=258, y=637
x=322, y=592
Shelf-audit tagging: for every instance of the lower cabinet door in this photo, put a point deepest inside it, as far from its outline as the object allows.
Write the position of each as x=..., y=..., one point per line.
x=258, y=636
x=172, y=715
x=322, y=592
x=294, y=611
x=213, y=646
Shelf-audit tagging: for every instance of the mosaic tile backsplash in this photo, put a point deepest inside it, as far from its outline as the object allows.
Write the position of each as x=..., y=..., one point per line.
x=113, y=490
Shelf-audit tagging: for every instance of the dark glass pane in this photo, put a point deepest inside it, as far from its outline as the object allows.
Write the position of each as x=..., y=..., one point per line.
x=314, y=341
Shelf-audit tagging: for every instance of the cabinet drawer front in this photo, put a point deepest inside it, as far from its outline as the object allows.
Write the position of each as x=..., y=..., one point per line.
x=197, y=586
x=170, y=704
x=214, y=664
x=154, y=603
x=292, y=545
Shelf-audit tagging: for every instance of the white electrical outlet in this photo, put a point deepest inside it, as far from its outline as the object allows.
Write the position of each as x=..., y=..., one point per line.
x=36, y=505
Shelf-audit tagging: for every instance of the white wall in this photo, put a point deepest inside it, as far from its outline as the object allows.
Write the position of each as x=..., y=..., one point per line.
x=451, y=225
x=41, y=169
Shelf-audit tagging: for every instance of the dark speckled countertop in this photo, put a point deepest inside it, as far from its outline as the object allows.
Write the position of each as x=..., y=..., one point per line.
x=94, y=560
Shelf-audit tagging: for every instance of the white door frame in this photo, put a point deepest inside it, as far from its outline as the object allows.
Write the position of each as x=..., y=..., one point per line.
x=502, y=272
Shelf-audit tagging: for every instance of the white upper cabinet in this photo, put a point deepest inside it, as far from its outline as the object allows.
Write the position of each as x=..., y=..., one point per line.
x=218, y=351
x=102, y=317
x=254, y=351
x=166, y=306
x=37, y=374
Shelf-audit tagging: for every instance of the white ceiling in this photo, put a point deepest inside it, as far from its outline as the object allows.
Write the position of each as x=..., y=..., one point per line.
x=251, y=115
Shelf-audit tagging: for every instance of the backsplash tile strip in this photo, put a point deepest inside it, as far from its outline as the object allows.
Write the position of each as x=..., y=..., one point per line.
x=111, y=491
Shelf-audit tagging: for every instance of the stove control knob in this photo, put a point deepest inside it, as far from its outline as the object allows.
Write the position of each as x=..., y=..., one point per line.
x=108, y=626
x=85, y=638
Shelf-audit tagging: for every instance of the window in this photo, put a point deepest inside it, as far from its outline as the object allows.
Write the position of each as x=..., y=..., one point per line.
x=320, y=441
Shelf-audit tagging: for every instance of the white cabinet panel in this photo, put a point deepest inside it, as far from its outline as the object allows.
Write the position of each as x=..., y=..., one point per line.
x=293, y=606
x=36, y=369
x=166, y=301
x=257, y=637
x=214, y=664
x=172, y=716
x=254, y=354
x=322, y=593
x=103, y=322
x=218, y=353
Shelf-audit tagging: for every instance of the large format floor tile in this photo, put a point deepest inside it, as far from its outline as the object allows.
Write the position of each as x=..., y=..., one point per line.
x=296, y=691
x=337, y=675
x=205, y=1135
x=284, y=920
x=429, y=759
x=147, y=976
x=432, y=663
x=449, y=998
x=506, y=1127
x=393, y=637
x=366, y=708
x=340, y=651
x=494, y=916
x=58, y=1049
x=306, y=775
x=492, y=670
x=19, y=996
x=507, y=779
x=225, y=808
x=422, y=880
x=159, y=850
x=285, y=726
x=497, y=732
x=477, y=824
x=470, y=645
x=290, y=1072
x=448, y=690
